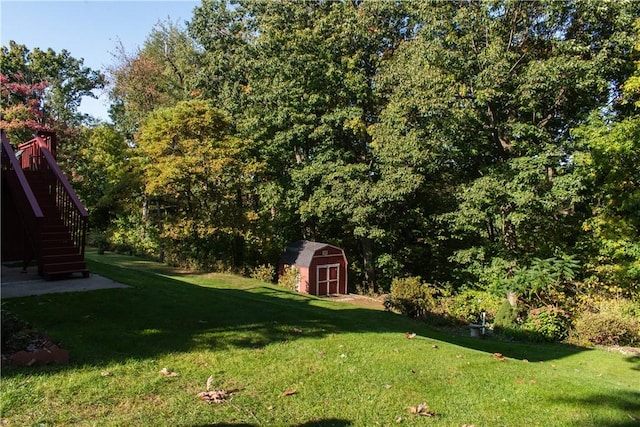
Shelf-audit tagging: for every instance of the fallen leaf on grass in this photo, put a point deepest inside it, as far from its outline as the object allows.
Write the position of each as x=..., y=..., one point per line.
x=519, y=380
x=297, y=330
x=398, y=420
x=421, y=409
x=434, y=346
x=499, y=357
x=411, y=335
x=213, y=396
x=387, y=386
x=288, y=392
x=167, y=373
x=105, y=373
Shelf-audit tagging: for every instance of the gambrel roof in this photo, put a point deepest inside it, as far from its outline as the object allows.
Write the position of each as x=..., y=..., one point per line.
x=301, y=253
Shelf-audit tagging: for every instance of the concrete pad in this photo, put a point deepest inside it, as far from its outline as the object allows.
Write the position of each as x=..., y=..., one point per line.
x=14, y=283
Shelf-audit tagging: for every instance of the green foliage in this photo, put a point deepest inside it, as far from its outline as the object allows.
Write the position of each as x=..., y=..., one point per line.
x=290, y=279
x=42, y=90
x=411, y=297
x=265, y=273
x=467, y=306
x=506, y=317
x=608, y=322
x=436, y=140
x=198, y=179
x=548, y=323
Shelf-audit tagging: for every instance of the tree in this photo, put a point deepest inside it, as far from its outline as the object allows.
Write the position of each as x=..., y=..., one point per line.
x=67, y=82
x=44, y=88
x=609, y=158
x=483, y=100
x=198, y=179
x=159, y=74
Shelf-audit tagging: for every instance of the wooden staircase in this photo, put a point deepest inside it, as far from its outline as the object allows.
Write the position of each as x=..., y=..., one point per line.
x=60, y=255
x=49, y=213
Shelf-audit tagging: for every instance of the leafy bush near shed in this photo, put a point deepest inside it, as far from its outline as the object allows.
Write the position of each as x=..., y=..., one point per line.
x=411, y=297
x=264, y=273
x=291, y=278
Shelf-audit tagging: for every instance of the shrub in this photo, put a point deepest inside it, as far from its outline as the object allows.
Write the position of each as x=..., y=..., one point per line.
x=547, y=323
x=467, y=305
x=291, y=278
x=264, y=273
x=411, y=297
x=610, y=322
x=506, y=316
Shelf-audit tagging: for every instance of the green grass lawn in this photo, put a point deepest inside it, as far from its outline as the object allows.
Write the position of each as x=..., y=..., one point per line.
x=342, y=364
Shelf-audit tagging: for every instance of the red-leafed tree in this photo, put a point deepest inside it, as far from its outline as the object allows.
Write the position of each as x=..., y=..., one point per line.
x=22, y=107
x=42, y=90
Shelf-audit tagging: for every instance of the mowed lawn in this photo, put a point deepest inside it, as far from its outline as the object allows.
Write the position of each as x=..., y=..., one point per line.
x=291, y=360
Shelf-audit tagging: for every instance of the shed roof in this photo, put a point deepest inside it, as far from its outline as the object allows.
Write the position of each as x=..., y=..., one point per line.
x=301, y=252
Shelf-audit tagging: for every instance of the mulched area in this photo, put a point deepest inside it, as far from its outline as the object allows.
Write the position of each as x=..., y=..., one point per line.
x=24, y=346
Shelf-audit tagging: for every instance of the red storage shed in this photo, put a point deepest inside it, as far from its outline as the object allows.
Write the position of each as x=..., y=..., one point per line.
x=322, y=267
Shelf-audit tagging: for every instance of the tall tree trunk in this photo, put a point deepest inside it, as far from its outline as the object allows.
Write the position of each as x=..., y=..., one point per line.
x=367, y=262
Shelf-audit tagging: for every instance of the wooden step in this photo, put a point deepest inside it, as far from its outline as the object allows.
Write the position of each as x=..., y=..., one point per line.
x=62, y=258
x=64, y=268
x=60, y=250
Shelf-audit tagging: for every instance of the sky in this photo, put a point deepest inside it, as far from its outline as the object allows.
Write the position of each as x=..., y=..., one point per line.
x=88, y=29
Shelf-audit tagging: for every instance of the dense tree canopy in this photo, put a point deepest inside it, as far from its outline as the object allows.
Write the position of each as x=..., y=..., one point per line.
x=43, y=89
x=489, y=144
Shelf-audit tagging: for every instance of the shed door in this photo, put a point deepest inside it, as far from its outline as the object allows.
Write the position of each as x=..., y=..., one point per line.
x=327, y=279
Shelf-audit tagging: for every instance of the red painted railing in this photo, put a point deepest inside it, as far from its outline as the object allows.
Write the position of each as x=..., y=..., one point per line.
x=37, y=155
x=26, y=203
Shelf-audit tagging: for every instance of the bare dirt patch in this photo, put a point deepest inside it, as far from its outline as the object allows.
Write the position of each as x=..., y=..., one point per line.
x=376, y=302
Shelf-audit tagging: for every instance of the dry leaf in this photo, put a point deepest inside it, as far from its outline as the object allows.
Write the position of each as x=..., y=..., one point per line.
x=209, y=382
x=532, y=381
x=398, y=420
x=421, y=409
x=519, y=380
x=105, y=374
x=525, y=360
x=270, y=408
x=213, y=396
x=297, y=330
x=434, y=346
x=499, y=357
x=289, y=392
x=387, y=386
x=167, y=373
x=411, y=335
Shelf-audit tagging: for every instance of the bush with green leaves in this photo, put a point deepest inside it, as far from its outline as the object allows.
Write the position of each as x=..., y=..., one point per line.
x=291, y=278
x=611, y=322
x=506, y=317
x=411, y=297
x=468, y=305
x=547, y=323
x=264, y=273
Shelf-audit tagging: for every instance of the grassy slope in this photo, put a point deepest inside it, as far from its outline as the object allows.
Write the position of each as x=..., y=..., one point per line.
x=348, y=365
